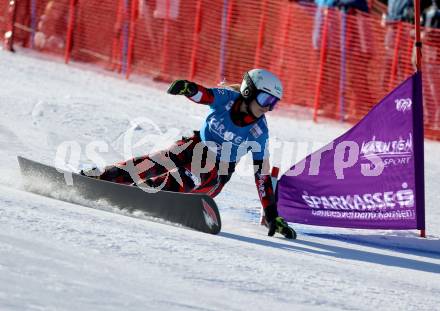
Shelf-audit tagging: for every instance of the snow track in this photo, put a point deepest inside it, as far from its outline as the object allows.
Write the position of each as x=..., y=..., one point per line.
x=60, y=256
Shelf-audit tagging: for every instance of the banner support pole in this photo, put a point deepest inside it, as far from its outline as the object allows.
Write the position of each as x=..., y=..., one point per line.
x=418, y=46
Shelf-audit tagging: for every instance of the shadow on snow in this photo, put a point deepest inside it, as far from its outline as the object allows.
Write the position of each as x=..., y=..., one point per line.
x=342, y=252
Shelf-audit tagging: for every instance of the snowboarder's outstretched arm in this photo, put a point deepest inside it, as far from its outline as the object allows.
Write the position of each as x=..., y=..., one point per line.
x=193, y=91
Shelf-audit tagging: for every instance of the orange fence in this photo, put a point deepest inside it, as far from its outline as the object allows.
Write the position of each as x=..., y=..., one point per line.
x=338, y=64
x=3, y=16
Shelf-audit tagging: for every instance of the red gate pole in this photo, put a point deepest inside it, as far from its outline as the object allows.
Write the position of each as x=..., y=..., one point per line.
x=195, y=45
x=10, y=31
x=418, y=37
x=70, y=25
x=323, y=53
x=133, y=18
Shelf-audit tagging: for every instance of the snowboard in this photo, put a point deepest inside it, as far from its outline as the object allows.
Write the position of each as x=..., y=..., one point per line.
x=192, y=210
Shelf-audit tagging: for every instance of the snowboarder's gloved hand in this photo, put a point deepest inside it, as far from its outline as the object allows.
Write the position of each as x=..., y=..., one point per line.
x=183, y=87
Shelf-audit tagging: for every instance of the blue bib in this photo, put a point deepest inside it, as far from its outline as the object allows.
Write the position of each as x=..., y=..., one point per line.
x=229, y=141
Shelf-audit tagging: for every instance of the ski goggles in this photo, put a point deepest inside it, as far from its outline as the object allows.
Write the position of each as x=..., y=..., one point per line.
x=266, y=100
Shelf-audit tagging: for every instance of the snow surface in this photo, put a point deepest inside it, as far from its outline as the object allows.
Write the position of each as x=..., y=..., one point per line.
x=61, y=256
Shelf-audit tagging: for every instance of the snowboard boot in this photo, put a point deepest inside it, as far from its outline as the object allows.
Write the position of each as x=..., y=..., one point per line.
x=92, y=173
x=280, y=225
x=111, y=173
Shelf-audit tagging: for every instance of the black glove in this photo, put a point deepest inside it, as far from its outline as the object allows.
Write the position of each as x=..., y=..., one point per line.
x=183, y=87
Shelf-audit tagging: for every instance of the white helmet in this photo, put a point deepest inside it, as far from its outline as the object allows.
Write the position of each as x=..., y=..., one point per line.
x=260, y=80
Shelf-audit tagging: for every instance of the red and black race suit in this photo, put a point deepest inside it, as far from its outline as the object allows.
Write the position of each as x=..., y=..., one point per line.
x=171, y=169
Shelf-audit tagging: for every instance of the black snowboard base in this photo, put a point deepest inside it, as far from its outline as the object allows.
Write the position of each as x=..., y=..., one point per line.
x=196, y=211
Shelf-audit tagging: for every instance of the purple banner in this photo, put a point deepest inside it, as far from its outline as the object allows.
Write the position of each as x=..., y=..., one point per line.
x=371, y=177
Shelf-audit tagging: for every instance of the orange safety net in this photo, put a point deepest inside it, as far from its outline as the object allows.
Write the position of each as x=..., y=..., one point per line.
x=3, y=16
x=339, y=64
x=4, y=4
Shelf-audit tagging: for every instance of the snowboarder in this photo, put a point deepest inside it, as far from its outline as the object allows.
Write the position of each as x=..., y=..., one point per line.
x=235, y=125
